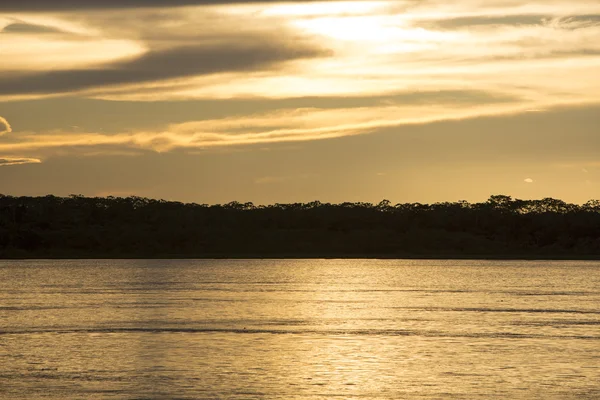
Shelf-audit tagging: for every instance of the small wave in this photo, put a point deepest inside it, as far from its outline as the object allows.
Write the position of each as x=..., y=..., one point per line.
x=556, y=323
x=500, y=310
x=31, y=308
x=333, y=332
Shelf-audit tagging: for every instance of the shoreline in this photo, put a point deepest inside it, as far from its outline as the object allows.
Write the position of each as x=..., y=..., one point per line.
x=466, y=257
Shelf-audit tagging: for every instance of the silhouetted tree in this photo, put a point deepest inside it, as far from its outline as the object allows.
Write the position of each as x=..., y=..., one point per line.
x=78, y=226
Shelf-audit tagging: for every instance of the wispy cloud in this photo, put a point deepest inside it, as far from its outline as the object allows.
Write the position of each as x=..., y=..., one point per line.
x=22, y=27
x=4, y=126
x=240, y=48
x=62, y=5
x=295, y=125
x=299, y=70
x=6, y=161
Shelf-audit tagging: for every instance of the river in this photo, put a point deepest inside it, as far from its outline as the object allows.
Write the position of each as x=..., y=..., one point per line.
x=299, y=329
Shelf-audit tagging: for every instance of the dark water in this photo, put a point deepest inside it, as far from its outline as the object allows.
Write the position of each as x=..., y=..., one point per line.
x=315, y=329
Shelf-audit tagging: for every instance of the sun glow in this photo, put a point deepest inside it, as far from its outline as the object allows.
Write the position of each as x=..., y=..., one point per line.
x=375, y=34
x=361, y=28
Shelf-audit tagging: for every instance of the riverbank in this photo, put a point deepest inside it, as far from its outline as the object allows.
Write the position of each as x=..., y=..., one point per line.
x=298, y=256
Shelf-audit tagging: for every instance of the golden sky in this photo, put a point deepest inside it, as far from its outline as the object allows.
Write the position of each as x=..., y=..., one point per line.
x=213, y=101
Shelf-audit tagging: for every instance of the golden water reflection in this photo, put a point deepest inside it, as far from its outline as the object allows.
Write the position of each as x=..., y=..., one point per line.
x=299, y=329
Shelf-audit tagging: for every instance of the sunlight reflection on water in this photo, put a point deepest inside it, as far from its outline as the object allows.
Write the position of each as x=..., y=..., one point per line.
x=285, y=329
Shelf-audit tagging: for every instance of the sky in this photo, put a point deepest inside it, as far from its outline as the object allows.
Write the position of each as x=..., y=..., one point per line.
x=279, y=101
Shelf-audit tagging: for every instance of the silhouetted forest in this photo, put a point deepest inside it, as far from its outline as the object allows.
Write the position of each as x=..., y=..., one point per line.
x=502, y=227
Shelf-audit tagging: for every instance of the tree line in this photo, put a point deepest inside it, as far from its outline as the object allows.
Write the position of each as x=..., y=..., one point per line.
x=111, y=227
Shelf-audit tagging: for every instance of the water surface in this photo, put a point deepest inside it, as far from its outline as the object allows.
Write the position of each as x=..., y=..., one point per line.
x=285, y=329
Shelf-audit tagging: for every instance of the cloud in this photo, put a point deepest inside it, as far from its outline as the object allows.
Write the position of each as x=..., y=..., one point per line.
x=528, y=180
x=484, y=20
x=118, y=116
x=510, y=20
x=6, y=161
x=291, y=125
x=25, y=28
x=243, y=54
x=506, y=62
x=4, y=126
x=61, y=5
x=202, y=52
x=502, y=139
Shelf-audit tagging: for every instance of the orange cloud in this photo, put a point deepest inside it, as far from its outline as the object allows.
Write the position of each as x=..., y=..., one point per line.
x=303, y=124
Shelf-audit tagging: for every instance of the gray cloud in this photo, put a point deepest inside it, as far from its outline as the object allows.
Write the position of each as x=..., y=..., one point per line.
x=510, y=20
x=240, y=55
x=22, y=27
x=59, y=5
x=482, y=20
x=591, y=18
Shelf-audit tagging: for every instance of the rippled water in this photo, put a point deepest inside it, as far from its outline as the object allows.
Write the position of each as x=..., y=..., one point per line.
x=240, y=329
